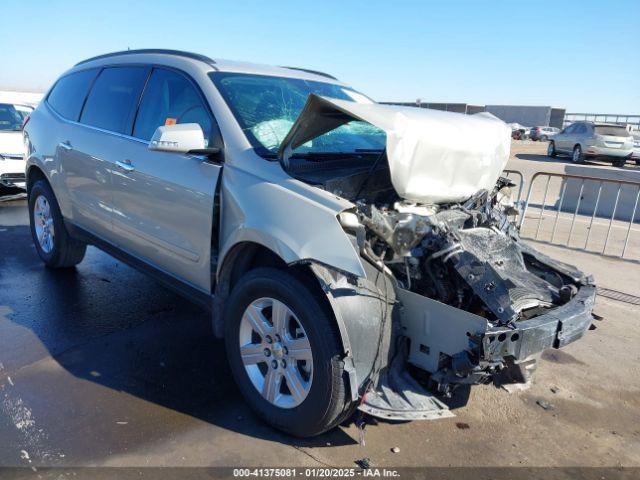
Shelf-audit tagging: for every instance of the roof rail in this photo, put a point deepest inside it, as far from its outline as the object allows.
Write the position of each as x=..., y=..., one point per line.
x=178, y=53
x=315, y=72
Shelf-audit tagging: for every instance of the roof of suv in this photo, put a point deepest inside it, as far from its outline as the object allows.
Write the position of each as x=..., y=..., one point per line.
x=214, y=64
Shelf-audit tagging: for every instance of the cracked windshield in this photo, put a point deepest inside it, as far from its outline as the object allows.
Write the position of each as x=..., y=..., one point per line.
x=266, y=108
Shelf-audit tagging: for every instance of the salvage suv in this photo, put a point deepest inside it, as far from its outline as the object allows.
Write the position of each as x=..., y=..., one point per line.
x=353, y=255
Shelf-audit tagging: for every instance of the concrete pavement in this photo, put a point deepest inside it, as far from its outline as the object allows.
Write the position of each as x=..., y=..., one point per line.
x=101, y=366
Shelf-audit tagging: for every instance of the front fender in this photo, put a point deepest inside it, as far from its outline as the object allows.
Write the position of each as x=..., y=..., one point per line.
x=289, y=218
x=364, y=309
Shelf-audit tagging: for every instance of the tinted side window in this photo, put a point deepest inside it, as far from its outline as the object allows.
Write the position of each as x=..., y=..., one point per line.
x=169, y=99
x=69, y=93
x=113, y=99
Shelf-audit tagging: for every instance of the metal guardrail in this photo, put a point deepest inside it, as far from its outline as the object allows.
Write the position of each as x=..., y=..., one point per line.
x=520, y=183
x=621, y=118
x=582, y=179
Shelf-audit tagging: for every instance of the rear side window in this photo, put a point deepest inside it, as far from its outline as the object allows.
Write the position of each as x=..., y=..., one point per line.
x=170, y=98
x=69, y=93
x=113, y=99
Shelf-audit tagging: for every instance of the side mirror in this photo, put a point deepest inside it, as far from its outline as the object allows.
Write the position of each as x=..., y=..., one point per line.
x=178, y=138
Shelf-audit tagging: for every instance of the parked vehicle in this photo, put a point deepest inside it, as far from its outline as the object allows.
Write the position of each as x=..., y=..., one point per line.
x=12, y=161
x=636, y=149
x=543, y=133
x=604, y=141
x=519, y=132
x=328, y=235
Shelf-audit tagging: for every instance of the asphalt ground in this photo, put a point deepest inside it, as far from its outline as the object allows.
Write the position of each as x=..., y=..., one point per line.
x=102, y=367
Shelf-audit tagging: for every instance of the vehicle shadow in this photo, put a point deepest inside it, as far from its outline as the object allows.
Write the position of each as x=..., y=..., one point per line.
x=104, y=322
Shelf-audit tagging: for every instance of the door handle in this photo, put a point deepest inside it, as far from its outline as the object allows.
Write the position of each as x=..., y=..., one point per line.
x=125, y=165
x=66, y=145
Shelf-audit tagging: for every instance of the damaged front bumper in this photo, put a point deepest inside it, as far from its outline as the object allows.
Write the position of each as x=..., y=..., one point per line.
x=556, y=329
x=444, y=341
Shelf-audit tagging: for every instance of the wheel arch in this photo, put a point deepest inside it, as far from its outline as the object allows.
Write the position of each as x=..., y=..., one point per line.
x=248, y=255
x=355, y=303
x=33, y=174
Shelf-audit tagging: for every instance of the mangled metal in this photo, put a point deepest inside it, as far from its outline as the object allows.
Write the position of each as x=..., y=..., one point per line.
x=473, y=304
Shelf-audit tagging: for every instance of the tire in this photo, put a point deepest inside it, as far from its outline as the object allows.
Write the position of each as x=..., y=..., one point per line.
x=620, y=163
x=638, y=161
x=551, y=150
x=57, y=248
x=577, y=156
x=326, y=401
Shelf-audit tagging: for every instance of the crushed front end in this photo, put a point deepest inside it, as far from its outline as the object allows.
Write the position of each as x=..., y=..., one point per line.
x=471, y=302
x=475, y=303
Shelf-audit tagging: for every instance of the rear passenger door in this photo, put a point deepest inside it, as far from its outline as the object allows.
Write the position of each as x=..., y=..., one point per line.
x=106, y=118
x=164, y=201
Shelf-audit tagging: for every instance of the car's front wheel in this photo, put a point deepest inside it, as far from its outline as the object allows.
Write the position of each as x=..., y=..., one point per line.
x=285, y=353
x=551, y=150
x=54, y=245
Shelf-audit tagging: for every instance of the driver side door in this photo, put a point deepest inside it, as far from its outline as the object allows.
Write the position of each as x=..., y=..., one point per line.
x=164, y=201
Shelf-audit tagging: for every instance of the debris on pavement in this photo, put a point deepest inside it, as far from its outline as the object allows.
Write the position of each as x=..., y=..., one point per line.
x=545, y=405
x=364, y=463
x=462, y=425
x=395, y=449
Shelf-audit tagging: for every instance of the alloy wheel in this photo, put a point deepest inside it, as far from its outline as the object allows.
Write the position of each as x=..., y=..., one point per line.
x=276, y=352
x=576, y=155
x=43, y=222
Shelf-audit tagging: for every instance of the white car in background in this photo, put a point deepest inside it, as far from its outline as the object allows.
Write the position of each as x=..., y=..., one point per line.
x=636, y=147
x=12, y=162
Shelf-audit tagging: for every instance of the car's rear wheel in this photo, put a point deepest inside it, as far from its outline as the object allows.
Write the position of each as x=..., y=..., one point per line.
x=285, y=353
x=544, y=138
x=620, y=163
x=54, y=245
x=551, y=150
x=577, y=156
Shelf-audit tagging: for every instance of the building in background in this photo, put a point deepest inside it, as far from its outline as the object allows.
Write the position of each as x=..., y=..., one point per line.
x=529, y=116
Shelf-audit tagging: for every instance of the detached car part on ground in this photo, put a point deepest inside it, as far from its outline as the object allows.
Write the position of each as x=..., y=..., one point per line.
x=352, y=254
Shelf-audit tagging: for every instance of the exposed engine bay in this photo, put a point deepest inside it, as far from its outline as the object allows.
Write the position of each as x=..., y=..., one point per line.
x=465, y=264
x=465, y=255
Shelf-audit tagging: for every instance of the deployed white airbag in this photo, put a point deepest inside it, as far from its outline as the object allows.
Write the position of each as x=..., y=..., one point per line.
x=434, y=156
